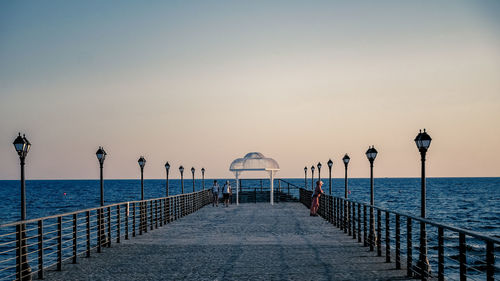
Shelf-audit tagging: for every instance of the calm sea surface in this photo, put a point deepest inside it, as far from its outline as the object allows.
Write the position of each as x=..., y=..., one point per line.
x=471, y=203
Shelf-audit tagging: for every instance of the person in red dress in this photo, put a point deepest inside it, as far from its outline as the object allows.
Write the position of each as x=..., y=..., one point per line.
x=315, y=199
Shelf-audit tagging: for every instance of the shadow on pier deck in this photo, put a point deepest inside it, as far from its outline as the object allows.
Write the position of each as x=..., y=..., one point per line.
x=248, y=242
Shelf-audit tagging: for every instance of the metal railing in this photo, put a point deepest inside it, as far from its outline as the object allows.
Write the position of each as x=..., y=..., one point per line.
x=28, y=248
x=453, y=253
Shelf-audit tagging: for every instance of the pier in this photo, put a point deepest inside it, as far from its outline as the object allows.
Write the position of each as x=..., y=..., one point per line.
x=184, y=237
x=249, y=242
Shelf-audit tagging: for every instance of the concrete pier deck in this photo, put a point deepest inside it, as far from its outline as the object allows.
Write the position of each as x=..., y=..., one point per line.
x=248, y=242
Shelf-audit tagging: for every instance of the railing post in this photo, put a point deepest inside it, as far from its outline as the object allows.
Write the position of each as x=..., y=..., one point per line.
x=145, y=219
x=156, y=213
x=398, y=245
x=161, y=211
x=335, y=211
x=127, y=209
x=109, y=227
x=152, y=214
x=88, y=234
x=359, y=223
x=118, y=222
x=409, y=248
x=40, y=249
x=19, y=271
x=462, y=256
x=348, y=205
x=99, y=230
x=379, y=233
x=440, y=254
x=133, y=219
x=490, y=261
x=387, y=238
x=353, y=205
x=74, y=237
x=59, y=243
x=365, y=242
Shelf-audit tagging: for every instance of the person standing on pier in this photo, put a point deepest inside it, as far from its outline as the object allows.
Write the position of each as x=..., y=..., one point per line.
x=226, y=193
x=315, y=199
x=215, y=194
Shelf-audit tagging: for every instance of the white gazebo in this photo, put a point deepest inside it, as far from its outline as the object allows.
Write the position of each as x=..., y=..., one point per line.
x=254, y=161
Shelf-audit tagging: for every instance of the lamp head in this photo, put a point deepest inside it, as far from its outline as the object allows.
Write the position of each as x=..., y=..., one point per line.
x=20, y=145
x=371, y=153
x=141, y=161
x=330, y=163
x=181, y=169
x=101, y=154
x=423, y=141
x=167, y=166
x=346, y=159
x=192, y=170
x=319, y=165
x=312, y=168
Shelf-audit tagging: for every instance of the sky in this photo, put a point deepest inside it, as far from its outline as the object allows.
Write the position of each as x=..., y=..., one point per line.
x=200, y=83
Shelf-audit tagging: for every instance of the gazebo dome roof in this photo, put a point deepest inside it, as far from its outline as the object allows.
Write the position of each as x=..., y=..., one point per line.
x=254, y=161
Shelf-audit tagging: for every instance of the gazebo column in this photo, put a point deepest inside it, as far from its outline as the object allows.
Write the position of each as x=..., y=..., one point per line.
x=236, y=175
x=271, y=176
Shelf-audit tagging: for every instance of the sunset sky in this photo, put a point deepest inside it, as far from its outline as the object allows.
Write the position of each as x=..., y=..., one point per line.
x=200, y=83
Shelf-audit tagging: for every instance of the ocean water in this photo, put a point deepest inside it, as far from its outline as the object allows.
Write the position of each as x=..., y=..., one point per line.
x=470, y=203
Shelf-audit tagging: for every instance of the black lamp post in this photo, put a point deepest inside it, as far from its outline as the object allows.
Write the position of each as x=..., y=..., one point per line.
x=142, y=163
x=22, y=146
x=371, y=154
x=192, y=172
x=312, y=178
x=305, y=177
x=203, y=178
x=167, y=169
x=319, y=170
x=101, y=155
x=330, y=165
x=423, y=141
x=346, y=163
x=181, y=169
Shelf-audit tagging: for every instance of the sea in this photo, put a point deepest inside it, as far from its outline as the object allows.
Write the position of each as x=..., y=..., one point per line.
x=469, y=203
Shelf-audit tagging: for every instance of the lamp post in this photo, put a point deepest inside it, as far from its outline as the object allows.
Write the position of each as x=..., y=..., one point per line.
x=305, y=177
x=312, y=178
x=167, y=169
x=330, y=165
x=346, y=163
x=181, y=169
x=142, y=163
x=371, y=154
x=203, y=178
x=101, y=155
x=423, y=141
x=22, y=146
x=192, y=172
x=319, y=170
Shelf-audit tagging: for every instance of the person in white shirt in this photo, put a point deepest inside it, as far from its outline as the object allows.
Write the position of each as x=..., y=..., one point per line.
x=215, y=194
x=226, y=192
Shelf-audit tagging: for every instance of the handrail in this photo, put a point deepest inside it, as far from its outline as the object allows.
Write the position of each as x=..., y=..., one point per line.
x=89, y=209
x=49, y=241
x=351, y=217
x=428, y=221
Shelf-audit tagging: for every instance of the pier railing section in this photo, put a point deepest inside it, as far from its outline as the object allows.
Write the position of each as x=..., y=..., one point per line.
x=453, y=253
x=257, y=190
x=28, y=248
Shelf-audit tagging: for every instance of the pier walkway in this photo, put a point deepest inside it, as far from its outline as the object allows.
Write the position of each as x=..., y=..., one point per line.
x=248, y=242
